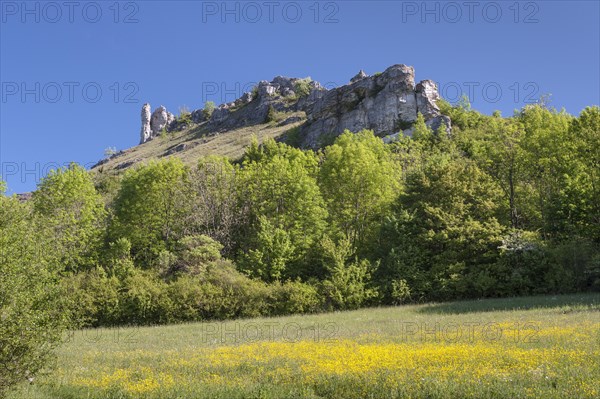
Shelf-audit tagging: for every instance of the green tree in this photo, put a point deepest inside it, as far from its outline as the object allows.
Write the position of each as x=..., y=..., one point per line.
x=497, y=149
x=33, y=312
x=150, y=208
x=547, y=159
x=214, y=200
x=461, y=114
x=286, y=210
x=66, y=200
x=446, y=229
x=583, y=185
x=421, y=132
x=359, y=180
x=273, y=252
x=347, y=285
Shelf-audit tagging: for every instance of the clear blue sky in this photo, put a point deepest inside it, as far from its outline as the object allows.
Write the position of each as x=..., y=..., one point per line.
x=180, y=53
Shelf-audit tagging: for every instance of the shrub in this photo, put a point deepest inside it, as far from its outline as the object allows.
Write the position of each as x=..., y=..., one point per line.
x=302, y=87
x=94, y=298
x=272, y=115
x=187, y=298
x=209, y=108
x=185, y=117
x=400, y=291
x=109, y=152
x=144, y=300
x=230, y=294
x=196, y=252
x=295, y=297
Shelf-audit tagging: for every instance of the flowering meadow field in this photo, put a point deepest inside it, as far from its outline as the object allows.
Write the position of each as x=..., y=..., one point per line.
x=536, y=347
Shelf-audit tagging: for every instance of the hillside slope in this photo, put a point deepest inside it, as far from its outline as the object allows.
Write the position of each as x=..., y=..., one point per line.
x=194, y=142
x=387, y=103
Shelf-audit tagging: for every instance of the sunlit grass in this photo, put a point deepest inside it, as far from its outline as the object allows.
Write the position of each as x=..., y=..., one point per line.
x=548, y=347
x=231, y=144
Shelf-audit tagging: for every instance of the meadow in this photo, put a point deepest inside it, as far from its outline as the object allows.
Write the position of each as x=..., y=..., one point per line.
x=531, y=347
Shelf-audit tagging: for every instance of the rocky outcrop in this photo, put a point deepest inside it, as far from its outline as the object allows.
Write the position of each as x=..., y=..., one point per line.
x=384, y=103
x=387, y=103
x=359, y=76
x=153, y=124
x=146, y=132
x=160, y=119
x=282, y=94
x=427, y=96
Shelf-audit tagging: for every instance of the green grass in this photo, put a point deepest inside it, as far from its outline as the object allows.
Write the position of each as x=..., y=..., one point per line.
x=231, y=144
x=548, y=346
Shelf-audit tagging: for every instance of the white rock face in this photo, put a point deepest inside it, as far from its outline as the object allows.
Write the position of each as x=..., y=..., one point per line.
x=266, y=89
x=159, y=120
x=381, y=102
x=387, y=103
x=153, y=123
x=146, y=132
x=427, y=95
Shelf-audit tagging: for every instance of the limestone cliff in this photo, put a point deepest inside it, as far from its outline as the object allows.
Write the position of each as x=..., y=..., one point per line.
x=387, y=103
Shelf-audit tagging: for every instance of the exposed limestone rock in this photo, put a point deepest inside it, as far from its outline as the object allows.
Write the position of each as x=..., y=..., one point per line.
x=427, y=96
x=290, y=120
x=383, y=103
x=359, y=76
x=387, y=103
x=246, y=98
x=266, y=89
x=253, y=108
x=146, y=132
x=153, y=123
x=127, y=164
x=438, y=121
x=24, y=197
x=198, y=116
x=160, y=119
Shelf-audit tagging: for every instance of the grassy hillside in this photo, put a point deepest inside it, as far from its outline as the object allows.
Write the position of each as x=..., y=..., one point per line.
x=198, y=142
x=506, y=348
